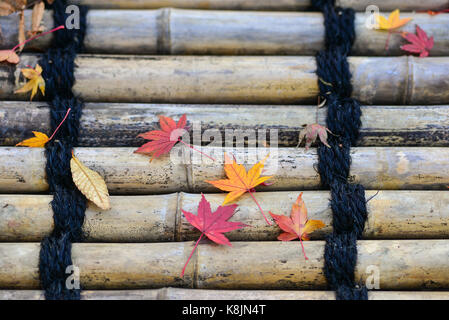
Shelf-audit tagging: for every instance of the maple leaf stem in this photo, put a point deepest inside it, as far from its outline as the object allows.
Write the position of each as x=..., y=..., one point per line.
x=65, y=117
x=191, y=254
x=37, y=36
x=388, y=40
x=191, y=147
x=255, y=200
x=303, y=250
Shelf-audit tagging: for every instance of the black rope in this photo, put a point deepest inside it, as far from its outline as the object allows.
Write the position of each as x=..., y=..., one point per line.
x=343, y=119
x=68, y=203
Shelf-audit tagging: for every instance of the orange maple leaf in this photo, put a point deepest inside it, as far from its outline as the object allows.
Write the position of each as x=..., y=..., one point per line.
x=38, y=141
x=297, y=225
x=240, y=182
x=393, y=21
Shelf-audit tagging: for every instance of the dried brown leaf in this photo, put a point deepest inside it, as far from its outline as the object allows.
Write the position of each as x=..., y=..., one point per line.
x=90, y=183
x=311, y=132
x=36, y=18
x=8, y=7
x=22, y=36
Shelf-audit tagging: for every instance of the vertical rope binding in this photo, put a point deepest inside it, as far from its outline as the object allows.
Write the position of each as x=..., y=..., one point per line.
x=343, y=119
x=68, y=203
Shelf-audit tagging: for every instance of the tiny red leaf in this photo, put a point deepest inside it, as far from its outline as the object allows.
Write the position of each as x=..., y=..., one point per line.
x=163, y=140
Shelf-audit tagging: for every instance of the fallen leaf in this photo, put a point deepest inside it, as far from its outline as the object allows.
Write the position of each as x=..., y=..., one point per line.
x=36, y=18
x=393, y=21
x=36, y=81
x=9, y=56
x=311, y=132
x=212, y=225
x=90, y=183
x=21, y=33
x=419, y=43
x=38, y=141
x=239, y=181
x=10, y=6
x=434, y=13
x=297, y=226
x=163, y=140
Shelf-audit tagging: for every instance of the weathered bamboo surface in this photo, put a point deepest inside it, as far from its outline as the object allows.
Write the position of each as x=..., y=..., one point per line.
x=22, y=169
x=177, y=31
x=117, y=125
x=169, y=293
x=241, y=80
x=359, y=5
x=401, y=265
x=158, y=218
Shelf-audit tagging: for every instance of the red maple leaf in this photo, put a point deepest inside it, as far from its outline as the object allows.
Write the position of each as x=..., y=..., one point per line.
x=419, y=43
x=163, y=140
x=212, y=225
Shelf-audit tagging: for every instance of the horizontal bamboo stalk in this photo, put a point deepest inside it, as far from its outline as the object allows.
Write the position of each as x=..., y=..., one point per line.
x=241, y=80
x=22, y=169
x=204, y=294
x=117, y=125
x=359, y=5
x=157, y=218
x=400, y=264
x=175, y=31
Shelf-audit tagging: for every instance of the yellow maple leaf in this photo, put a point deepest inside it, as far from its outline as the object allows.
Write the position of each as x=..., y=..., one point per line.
x=393, y=21
x=38, y=141
x=239, y=181
x=90, y=183
x=36, y=81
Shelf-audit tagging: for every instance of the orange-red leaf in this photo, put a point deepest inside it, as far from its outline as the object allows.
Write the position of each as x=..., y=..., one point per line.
x=297, y=226
x=212, y=224
x=9, y=56
x=162, y=141
x=239, y=181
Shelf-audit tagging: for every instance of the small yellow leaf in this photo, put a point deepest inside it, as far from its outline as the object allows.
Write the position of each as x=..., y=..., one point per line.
x=38, y=141
x=90, y=183
x=393, y=21
x=36, y=81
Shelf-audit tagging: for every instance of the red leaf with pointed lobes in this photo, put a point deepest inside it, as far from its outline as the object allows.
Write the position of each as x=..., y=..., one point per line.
x=212, y=225
x=163, y=140
x=419, y=43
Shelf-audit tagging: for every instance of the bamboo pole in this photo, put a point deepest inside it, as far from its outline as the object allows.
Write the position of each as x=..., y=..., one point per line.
x=241, y=80
x=117, y=125
x=22, y=169
x=158, y=218
x=233, y=295
x=359, y=5
x=400, y=264
x=175, y=31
